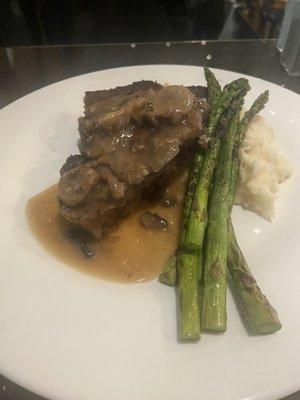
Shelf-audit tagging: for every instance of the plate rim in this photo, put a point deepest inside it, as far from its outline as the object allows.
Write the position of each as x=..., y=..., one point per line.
x=265, y=396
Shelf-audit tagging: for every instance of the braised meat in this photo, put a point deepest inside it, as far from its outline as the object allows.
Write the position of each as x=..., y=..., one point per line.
x=131, y=138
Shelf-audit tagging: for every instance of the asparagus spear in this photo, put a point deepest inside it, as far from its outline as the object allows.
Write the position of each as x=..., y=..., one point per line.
x=189, y=312
x=233, y=178
x=256, y=107
x=196, y=225
x=189, y=259
x=168, y=275
x=187, y=265
x=260, y=316
x=188, y=201
x=215, y=318
x=231, y=92
x=214, y=299
x=214, y=90
x=214, y=294
x=197, y=221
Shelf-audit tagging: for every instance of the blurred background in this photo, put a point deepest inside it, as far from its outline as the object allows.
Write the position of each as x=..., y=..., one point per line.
x=52, y=22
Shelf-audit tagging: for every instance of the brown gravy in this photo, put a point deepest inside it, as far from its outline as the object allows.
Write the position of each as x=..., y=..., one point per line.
x=130, y=253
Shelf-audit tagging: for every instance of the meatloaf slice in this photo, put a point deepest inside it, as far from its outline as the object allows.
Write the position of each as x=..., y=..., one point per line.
x=131, y=138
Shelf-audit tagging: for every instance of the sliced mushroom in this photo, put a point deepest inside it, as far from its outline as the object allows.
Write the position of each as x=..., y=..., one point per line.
x=116, y=120
x=163, y=153
x=173, y=103
x=108, y=186
x=75, y=184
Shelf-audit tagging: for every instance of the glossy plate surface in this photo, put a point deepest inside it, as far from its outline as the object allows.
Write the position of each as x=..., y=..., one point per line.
x=69, y=336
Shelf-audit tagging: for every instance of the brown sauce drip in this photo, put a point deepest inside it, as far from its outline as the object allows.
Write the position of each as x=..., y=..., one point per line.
x=129, y=253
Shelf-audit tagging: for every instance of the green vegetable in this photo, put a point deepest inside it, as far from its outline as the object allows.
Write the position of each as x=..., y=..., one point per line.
x=189, y=196
x=168, y=275
x=235, y=90
x=214, y=316
x=259, y=315
x=197, y=221
x=214, y=90
x=221, y=244
x=189, y=260
x=189, y=312
x=190, y=255
x=256, y=107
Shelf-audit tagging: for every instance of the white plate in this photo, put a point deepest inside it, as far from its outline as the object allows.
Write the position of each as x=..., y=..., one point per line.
x=69, y=336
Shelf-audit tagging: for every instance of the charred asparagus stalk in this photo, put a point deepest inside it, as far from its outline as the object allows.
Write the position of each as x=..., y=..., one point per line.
x=214, y=280
x=192, y=237
x=190, y=192
x=214, y=90
x=189, y=311
x=168, y=275
x=259, y=315
x=190, y=259
x=214, y=294
x=256, y=107
x=198, y=215
x=194, y=218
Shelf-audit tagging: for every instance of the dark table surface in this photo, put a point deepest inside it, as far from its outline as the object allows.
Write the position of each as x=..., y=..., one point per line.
x=25, y=69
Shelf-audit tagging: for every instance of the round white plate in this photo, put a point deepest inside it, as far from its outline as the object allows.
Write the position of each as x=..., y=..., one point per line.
x=69, y=336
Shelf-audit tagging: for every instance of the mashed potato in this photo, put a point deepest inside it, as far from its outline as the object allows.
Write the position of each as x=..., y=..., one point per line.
x=262, y=169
